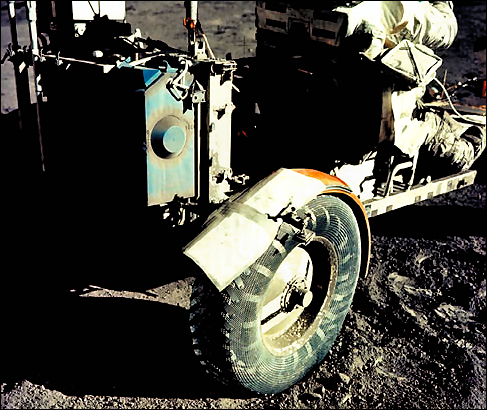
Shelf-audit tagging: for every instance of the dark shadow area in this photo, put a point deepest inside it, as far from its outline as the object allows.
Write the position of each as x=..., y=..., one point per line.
x=104, y=346
x=75, y=227
x=95, y=345
x=52, y=242
x=431, y=222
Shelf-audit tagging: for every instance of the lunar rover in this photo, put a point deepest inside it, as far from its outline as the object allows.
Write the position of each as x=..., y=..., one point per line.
x=275, y=162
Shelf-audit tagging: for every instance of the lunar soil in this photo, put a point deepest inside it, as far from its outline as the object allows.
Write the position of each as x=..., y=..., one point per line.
x=414, y=338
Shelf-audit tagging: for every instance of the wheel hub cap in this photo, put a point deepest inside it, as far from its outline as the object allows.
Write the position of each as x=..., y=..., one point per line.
x=296, y=295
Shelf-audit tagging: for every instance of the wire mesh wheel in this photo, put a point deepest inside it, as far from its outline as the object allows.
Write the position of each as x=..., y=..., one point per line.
x=279, y=319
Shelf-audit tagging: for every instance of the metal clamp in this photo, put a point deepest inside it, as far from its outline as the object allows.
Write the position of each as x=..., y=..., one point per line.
x=176, y=85
x=289, y=215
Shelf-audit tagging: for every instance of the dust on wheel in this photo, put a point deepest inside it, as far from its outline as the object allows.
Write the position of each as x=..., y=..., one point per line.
x=270, y=326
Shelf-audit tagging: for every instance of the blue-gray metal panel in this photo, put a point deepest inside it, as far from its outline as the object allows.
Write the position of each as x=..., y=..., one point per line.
x=167, y=177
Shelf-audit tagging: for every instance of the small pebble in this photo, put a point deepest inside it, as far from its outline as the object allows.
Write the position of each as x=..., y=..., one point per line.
x=346, y=398
x=310, y=396
x=345, y=379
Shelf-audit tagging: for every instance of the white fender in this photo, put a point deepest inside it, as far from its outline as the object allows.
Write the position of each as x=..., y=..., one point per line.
x=238, y=232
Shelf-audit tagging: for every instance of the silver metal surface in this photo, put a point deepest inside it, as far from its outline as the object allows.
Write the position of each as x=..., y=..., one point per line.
x=377, y=206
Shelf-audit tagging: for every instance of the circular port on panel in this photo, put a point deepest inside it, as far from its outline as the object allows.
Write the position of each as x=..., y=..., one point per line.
x=168, y=137
x=174, y=139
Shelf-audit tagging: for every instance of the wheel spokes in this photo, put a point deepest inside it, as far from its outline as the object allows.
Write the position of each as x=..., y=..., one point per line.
x=279, y=311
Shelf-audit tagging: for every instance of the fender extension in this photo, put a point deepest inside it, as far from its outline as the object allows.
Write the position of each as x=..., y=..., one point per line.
x=240, y=230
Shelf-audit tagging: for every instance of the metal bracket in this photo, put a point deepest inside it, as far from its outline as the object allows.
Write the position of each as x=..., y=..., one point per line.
x=238, y=179
x=198, y=93
x=198, y=96
x=289, y=215
x=398, y=167
x=176, y=85
x=305, y=236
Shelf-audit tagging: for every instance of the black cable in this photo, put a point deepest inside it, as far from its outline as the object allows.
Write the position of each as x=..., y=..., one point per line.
x=92, y=9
